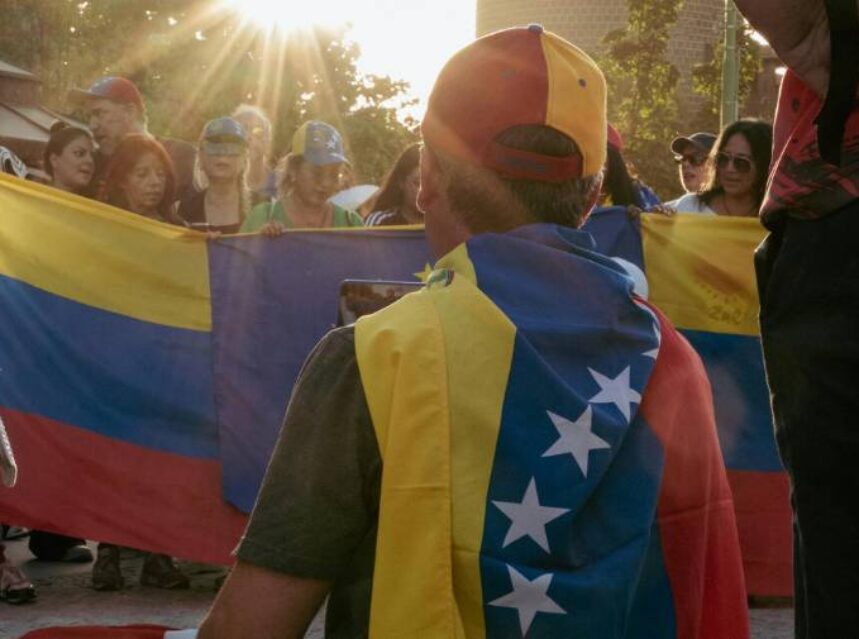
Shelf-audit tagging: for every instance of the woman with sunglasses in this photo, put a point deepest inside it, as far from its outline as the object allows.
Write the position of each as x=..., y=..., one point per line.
x=739, y=165
x=220, y=199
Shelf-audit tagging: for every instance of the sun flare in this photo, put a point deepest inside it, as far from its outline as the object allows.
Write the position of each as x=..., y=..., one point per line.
x=287, y=16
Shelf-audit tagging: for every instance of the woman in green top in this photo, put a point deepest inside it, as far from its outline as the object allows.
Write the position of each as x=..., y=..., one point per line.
x=309, y=175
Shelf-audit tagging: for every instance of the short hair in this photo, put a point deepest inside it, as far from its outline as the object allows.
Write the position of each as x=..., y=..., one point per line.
x=255, y=111
x=487, y=202
x=122, y=162
x=62, y=135
x=759, y=135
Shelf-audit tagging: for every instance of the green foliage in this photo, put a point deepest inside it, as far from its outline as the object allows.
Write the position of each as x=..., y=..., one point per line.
x=193, y=61
x=642, y=88
x=707, y=78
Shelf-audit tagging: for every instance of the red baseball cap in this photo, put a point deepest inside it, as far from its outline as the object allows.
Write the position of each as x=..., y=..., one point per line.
x=515, y=77
x=110, y=88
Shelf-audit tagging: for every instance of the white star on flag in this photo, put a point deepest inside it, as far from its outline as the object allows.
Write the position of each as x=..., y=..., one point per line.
x=528, y=598
x=575, y=438
x=657, y=332
x=529, y=518
x=615, y=391
x=332, y=144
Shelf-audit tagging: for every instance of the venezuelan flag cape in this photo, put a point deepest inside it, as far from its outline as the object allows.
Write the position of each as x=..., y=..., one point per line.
x=550, y=460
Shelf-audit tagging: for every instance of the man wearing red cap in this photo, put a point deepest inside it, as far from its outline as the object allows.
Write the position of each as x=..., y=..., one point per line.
x=115, y=108
x=501, y=454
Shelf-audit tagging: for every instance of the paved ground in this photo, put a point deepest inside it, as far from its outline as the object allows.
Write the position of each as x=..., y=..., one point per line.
x=65, y=598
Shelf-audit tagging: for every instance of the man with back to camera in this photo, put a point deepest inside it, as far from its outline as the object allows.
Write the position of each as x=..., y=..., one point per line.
x=481, y=458
x=115, y=108
x=808, y=277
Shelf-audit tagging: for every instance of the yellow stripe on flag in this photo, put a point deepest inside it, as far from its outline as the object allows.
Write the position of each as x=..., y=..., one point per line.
x=97, y=255
x=434, y=367
x=701, y=271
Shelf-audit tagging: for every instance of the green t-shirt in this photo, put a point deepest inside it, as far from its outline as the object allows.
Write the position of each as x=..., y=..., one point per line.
x=266, y=212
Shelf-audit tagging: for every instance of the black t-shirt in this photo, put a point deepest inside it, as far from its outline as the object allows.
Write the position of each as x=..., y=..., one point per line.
x=317, y=512
x=192, y=210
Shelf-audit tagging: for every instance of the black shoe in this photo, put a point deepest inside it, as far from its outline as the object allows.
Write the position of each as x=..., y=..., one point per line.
x=160, y=571
x=77, y=555
x=106, y=574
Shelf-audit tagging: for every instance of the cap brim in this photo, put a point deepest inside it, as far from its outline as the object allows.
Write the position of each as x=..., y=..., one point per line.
x=224, y=148
x=318, y=158
x=678, y=144
x=79, y=96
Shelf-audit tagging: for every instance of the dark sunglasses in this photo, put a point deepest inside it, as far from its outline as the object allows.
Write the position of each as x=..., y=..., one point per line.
x=694, y=160
x=741, y=164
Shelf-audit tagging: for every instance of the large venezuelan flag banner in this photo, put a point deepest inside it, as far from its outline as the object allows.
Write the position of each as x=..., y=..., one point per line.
x=106, y=376
x=701, y=274
x=144, y=371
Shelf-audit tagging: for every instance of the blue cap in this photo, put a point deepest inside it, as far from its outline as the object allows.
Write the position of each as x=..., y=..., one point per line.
x=320, y=144
x=224, y=136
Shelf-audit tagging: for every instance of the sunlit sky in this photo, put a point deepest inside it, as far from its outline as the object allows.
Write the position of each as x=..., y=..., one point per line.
x=405, y=39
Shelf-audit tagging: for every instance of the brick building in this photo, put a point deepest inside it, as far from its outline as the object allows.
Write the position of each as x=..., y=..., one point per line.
x=699, y=27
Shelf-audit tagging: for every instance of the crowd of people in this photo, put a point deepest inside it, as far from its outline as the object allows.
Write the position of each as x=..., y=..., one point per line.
x=229, y=183
x=490, y=182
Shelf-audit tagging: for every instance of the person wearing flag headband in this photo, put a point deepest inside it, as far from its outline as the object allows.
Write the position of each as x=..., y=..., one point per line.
x=522, y=448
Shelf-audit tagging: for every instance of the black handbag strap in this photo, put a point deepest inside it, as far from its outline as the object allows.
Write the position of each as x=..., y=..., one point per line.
x=843, y=18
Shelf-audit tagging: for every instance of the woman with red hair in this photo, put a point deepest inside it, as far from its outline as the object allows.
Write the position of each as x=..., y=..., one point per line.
x=140, y=178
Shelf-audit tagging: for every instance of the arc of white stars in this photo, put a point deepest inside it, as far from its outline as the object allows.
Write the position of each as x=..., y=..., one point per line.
x=617, y=391
x=575, y=438
x=528, y=518
x=528, y=598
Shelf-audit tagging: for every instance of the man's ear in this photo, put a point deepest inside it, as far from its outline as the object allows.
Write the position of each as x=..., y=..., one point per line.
x=432, y=185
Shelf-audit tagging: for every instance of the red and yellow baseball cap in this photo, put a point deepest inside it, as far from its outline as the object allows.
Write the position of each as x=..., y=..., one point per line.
x=518, y=77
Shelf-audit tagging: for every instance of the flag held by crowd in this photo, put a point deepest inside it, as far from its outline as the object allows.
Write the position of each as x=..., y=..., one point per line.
x=144, y=370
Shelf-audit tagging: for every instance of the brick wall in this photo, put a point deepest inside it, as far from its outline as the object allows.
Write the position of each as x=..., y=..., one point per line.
x=585, y=22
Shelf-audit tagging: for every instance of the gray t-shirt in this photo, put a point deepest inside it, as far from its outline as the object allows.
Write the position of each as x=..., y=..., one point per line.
x=317, y=512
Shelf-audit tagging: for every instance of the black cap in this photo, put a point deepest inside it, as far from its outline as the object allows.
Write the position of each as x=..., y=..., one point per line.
x=703, y=141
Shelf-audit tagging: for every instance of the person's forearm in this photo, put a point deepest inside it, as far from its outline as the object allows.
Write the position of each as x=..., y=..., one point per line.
x=258, y=603
x=798, y=32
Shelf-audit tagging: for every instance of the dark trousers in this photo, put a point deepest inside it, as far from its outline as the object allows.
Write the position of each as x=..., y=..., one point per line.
x=808, y=276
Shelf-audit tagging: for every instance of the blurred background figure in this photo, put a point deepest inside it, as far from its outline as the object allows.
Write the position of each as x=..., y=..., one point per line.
x=619, y=187
x=220, y=200
x=15, y=588
x=396, y=203
x=309, y=175
x=261, y=178
x=69, y=158
x=115, y=109
x=140, y=179
x=690, y=155
x=737, y=172
x=70, y=164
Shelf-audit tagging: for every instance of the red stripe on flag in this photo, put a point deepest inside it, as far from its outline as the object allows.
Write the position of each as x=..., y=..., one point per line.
x=99, y=632
x=695, y=512
x=764, y=520
x=77, y=482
